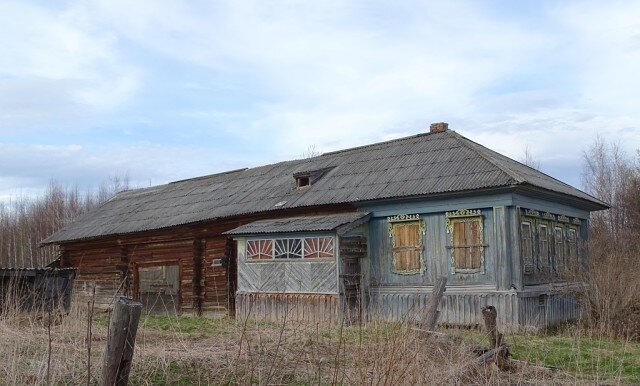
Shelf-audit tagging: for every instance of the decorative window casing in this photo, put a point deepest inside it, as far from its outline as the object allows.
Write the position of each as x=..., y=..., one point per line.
x=558, y=248
x=407, y=244
x=466, y=235
x=572, y=245
x=291, y=248
x=555, y=239
x=526, y=230
x=544, y=254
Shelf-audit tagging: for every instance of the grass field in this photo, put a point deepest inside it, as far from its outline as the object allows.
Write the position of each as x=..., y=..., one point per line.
x=189, y=350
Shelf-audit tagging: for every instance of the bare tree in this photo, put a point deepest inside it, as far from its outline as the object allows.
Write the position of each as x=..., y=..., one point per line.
x=312, y=151
x=529, y=159
x=26, y=221
x=612, y=296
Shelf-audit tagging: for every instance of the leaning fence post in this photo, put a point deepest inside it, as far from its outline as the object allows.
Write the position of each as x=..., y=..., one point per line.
x=430, y=316
x=121, y=338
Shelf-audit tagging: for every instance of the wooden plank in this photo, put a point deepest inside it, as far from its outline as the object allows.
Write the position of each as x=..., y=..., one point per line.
x=121, y=338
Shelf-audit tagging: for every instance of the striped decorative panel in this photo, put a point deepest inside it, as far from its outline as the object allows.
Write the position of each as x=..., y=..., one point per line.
x=283, y=307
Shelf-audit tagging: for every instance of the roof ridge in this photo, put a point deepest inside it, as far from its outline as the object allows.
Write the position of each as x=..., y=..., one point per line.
x=478, y=149
x=374, y=144
x=208, y=175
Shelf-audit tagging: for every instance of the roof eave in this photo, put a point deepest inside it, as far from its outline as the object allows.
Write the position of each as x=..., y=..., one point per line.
x=590, y=205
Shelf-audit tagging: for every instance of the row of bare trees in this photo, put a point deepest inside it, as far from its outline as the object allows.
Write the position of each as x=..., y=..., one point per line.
x=612, y=296
x=26, y=221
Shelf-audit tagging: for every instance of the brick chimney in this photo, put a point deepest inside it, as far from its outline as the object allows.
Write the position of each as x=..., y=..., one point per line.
x=438, y=127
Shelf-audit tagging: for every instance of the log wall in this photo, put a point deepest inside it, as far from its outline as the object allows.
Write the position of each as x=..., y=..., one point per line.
x=206, y=258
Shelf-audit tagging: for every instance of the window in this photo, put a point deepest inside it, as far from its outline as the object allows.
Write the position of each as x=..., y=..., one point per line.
x=543, y=247
x=466, y=237
x=317, y=247
x=558, y=248
x=303, y=180
x=288, y=249
x=572, y=245
x=291, y=248
x=406, y=232
x=260, y=249
x=527, y=246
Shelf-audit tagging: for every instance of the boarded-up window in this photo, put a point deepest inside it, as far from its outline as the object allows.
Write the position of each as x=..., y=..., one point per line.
x=407, y=247
x=318, y=247
x=526, y=232
x=543, y=247
x=259, y=249
x=158, y=289
x=467, y=244
x=465, y=229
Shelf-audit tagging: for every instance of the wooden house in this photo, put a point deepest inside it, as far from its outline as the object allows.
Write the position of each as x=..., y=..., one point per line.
x=361, y=232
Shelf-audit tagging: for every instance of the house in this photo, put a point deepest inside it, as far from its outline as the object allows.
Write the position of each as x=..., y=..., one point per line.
x=361, y=231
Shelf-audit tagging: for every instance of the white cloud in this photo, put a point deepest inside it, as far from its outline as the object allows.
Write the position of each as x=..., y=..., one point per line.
x=334, y=74
x=53, y=69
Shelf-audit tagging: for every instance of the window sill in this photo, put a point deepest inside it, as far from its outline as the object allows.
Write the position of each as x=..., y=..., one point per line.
x=467, y=271
x=301, y=260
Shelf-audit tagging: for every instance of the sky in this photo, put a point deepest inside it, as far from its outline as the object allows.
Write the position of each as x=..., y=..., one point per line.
x=161, y=90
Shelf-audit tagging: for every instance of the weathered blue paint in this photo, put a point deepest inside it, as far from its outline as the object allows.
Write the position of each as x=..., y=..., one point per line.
x=501, y=283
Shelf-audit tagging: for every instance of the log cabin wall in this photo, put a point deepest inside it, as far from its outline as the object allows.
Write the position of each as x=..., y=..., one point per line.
x=206, y=260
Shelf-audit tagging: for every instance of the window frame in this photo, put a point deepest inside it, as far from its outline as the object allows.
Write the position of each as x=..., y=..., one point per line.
x=302, y=238
x=559, y=249
x=465, y=216
x=544, y=256
x=558, y=259
x=402, y=220
x=528, y=266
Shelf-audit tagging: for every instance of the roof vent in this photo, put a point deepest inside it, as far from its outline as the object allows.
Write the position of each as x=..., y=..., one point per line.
x=438, y=127
x=307, y=178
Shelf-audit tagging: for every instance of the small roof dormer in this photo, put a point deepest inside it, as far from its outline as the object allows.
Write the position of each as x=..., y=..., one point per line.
x=306, y=179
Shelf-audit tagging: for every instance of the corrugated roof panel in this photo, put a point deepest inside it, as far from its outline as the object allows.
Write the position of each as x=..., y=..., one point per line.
x=418, y=165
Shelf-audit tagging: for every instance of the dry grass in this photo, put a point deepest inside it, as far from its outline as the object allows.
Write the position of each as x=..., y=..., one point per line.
x=183, y=350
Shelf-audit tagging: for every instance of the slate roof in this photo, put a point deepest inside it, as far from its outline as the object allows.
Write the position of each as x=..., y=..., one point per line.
x=319, y=223
x=420, y=165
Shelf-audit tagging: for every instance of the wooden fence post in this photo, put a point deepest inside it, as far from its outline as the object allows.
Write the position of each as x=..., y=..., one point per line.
x=489, y=313
x=121, y=338
x=431, y=313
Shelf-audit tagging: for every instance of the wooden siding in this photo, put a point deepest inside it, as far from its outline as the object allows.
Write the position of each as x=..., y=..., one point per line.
x=457, y=309
x=545, y=310
x=299, y=276
x=437, y=254
x=281, y=307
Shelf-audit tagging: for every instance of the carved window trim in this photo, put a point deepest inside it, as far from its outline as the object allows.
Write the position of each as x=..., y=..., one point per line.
x=563, y=251
x=528, y=256
x=403, y=220
x=559, y=257
x=465, y=216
